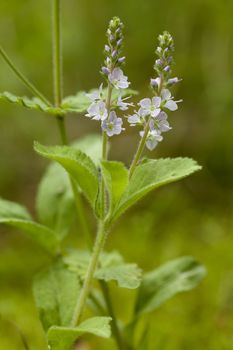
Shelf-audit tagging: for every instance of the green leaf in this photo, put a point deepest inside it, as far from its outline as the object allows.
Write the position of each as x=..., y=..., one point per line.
x=62, y=338
x=77, y=164
x=152, y=174
x=111, y=268
x=116, y=179
x=54, y=202
x=13, y=214
x=182, y=274
x=56, y=291
x=33, y=103
x=79, y=103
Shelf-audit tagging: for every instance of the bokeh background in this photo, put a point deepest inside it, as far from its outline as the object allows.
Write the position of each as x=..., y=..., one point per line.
x=193, y=217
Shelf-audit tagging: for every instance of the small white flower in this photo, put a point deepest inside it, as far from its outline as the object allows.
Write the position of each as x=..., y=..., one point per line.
x=112, y=125
x=167, y=100
x=161, y=123
x=152, y=139
x=122, y=104
x=118, y=79
x=137, y=118
x=97, y=111
x=96, y=95
x=155, y=82
x=150, y=106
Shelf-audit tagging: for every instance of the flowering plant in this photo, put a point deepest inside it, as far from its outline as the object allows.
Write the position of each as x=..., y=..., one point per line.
x=65, y=289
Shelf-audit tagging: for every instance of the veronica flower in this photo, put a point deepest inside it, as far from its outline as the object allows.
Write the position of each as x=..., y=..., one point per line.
x=160, y=122
x=118, y=79
x=167, y=100
x=112, y=125
x=150, y=106
x=96, y=95
x=152, y=139
x=122, y=104
x=97, y=111
x=137, y=118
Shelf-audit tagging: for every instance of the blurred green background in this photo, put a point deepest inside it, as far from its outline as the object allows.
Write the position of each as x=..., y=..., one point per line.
x=193, y=217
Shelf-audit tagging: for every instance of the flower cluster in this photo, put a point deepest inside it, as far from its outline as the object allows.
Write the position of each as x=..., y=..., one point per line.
x=152, y=111
x=102, y=106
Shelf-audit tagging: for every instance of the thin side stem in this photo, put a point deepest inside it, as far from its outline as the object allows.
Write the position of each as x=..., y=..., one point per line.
x=139, y=151
x=98, y=247
x=142, y=142
x=105, y=147
x=115, y=328
x=58, y=93
x=22, y=77
x=57, y=53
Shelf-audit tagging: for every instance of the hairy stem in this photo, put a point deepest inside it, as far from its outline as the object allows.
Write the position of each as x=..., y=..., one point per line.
x=102, y=232
x=22, y=77
x=98, y=247
x=100, y=238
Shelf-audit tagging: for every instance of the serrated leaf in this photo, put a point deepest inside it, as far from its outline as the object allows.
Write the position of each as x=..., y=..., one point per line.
x=31, y=103
x=56, y=291
x=116, y=179
x=15, y=215
x=54, y=201
x=182, y=274
x=77, y=164
x=80, y=102
x=62, y=338
x=111, y=268
x=152, y=174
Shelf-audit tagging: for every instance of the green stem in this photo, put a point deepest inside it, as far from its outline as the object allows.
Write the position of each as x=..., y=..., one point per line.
x=22, y=77
x=105, y=147
x=115, y=328
x=139, y=151
x=58, y=92
x=142, y=142
x=57, y=53
x=98, y=247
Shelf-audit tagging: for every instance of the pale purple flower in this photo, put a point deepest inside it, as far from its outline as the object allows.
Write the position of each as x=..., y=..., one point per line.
x=121, y=59
x=160, y=122
x=155, y=82
x=150, y=106
x=97, y=111
x=96, y=95
x=118, y=79
x=167, y=69
x=167, y=100
x=112, y=125
x=114, y=53
x=105, y=70
x=107, y=48
x=173, y=81
x=136, y=118
x=122, y=104
x=152, y=139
